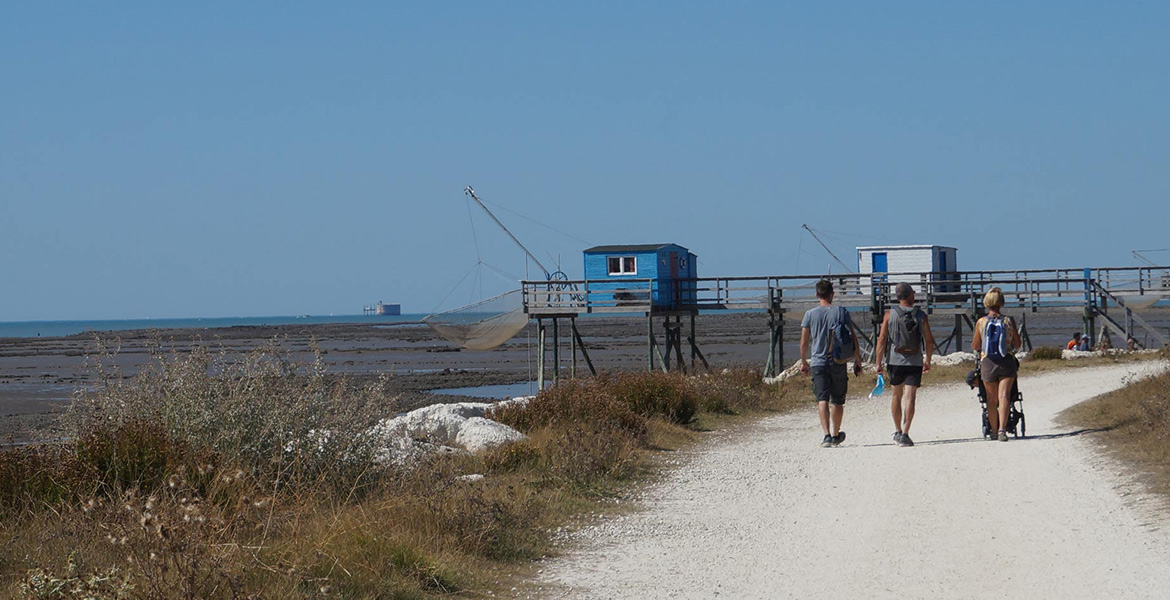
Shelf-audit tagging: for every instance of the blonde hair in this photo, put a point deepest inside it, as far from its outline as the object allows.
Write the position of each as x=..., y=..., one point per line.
x=993, y=298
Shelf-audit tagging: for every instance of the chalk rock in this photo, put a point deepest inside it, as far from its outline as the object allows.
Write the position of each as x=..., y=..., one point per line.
x=954, y=358
x=436, y=424
x=478, y=434
x=788, y=373
x=520, y=401
x=439, y=428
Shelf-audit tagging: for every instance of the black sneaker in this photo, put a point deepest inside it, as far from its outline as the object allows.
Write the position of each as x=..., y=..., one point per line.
x=837, y=439
x=1003, y=435
x=828, y=441
x=905, y=441
x=898, y=438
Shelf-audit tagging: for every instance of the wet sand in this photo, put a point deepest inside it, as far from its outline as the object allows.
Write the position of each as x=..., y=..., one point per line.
x=38, y=375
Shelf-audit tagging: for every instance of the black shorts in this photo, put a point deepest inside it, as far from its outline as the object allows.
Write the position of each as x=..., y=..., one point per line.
x=830, y=383
x=905, y=375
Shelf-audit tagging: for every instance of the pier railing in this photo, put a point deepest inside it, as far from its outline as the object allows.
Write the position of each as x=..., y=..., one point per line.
x=949, y=292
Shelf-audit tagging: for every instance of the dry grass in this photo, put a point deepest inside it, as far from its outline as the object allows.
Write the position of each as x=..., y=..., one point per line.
x=204, y=478
x=1134, y=424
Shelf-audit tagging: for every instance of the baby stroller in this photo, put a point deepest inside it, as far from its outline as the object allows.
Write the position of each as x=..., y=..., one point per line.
x=1016, y=424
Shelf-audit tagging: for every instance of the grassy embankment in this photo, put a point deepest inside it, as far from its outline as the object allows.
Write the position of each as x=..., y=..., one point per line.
x=206, y=478
x=1133, y=425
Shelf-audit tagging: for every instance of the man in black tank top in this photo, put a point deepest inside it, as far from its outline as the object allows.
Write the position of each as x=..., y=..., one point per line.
x=906, y=340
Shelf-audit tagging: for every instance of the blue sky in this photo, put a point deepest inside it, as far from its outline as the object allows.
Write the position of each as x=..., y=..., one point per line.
x=224, y=159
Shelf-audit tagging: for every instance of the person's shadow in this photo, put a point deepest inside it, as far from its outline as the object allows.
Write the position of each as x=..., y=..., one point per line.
x=1028, y=438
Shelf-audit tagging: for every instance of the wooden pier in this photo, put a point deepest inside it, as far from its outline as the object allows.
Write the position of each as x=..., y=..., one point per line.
x=1103, y=295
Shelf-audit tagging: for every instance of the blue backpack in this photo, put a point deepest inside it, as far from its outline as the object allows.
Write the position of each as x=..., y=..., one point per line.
x=996, y=339
x=843, y=342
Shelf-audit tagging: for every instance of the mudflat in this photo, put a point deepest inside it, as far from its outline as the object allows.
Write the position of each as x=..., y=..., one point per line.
x=39, y=375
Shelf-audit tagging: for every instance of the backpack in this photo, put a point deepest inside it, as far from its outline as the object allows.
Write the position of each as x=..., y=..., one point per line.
x=996, y=339
x=842, y=340
x=905, y=333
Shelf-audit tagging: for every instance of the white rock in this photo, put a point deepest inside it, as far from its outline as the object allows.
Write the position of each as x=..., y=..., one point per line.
x=520, y=401
x=437, y=423
x=440, y=428
x=954, y=358
x=479, y=434
x=788, y=373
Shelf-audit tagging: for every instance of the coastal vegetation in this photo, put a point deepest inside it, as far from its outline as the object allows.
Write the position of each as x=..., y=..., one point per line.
x=1133, y=424
x=208, y=475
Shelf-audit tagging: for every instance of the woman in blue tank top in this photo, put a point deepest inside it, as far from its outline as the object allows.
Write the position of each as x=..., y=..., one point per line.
x=997, y=339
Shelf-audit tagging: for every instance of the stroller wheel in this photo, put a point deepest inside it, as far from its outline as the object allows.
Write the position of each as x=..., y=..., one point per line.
x=1023, y=426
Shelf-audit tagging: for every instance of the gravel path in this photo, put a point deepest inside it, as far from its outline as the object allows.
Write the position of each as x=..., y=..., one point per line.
x=766, y=513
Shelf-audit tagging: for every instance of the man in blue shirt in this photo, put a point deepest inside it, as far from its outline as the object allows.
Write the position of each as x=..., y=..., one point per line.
x=829, y=378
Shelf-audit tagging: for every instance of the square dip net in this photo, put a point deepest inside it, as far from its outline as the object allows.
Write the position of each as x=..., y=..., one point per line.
x=483, y=325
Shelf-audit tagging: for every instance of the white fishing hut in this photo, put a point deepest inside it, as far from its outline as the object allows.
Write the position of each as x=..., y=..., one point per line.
x=931, y=262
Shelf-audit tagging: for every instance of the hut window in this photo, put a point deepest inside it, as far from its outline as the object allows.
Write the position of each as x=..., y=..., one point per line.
x=622, y=265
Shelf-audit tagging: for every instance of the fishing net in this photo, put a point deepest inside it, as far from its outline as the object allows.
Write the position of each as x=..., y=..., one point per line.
x=483, y=325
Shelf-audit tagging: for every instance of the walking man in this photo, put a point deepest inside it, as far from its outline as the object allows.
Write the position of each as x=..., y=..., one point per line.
x=829, y=331
x=906, y=333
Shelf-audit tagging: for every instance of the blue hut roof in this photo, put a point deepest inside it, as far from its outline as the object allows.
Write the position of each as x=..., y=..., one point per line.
x=629, y=248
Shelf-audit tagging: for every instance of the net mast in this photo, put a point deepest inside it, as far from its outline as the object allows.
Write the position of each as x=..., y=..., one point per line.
x=814, y=235
x=471, y=192
x=1140, y=255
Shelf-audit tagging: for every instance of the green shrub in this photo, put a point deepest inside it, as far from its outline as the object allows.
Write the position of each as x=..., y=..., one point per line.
x=264, y=411
x=666, y=395
x=571, y=403
x=134, y=454
x=587, y=453
x=39, y=475
x=511, y=457
x=1046, y=353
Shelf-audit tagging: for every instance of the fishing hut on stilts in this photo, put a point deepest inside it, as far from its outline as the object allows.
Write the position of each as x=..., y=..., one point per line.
x=660, y=283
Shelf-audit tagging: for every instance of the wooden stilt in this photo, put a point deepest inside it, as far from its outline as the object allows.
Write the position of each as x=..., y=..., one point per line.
x=1025, y=338
x=779, y=343
x=770, y=364
x=666, y=341
x=650, y=341
x=556, y=352
x=539, y=354
x=691, y=339
x=656, y=349
x=581, y=344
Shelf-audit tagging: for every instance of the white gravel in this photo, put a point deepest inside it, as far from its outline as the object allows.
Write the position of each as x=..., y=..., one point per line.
x=766, y=513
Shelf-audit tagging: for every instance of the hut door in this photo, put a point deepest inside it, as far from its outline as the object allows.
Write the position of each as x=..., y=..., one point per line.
x=674, y=265
x=879, y=271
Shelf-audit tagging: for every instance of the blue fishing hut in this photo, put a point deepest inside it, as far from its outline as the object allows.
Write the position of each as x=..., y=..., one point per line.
x=625, y=269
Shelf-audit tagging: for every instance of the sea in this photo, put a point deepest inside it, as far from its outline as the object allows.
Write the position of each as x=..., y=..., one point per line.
x=32, y=329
